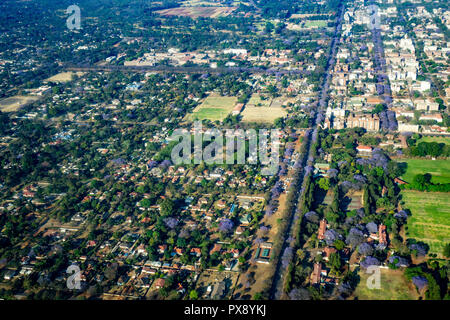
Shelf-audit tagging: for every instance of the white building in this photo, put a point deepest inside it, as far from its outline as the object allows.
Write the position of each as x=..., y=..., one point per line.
x=404, y=127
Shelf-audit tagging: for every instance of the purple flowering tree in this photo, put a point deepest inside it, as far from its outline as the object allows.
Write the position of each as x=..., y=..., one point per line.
x=398, y=261
x=331, y=236
x=360, y=212
x=418, y=249
x=346, y=185
x=312, y=216
x=402, y=214
x=165, y=164
x=259, y=241
x=342, y=163
x=226, y=225
x=332, y=173
x=420, y=282
x=184, y=233
x=270, y=210
x=372, y=227
x=299, y=294
x=365, y=249
x=369, y=261
x=345, y=289
x=355, y=237
x=287, y=256
x=171, y=222
x=263, y=229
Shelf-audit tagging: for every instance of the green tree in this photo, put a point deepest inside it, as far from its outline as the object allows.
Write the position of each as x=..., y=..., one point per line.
x=339, y=244
x=447, y=250
x=193, y=295
x=433, y=292
x=167, y=207
x=257, y=296
x=324, y=184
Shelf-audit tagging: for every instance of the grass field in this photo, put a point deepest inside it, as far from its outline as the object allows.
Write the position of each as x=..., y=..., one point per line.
x=14, y=103
x=63, y=77
x=430, y=218
x=213, y=108
x=445, y=140
x=440, y=169
x=394, y=286
x=315, y=23
x=262, y=114
x=256, y=101
x=263, y=110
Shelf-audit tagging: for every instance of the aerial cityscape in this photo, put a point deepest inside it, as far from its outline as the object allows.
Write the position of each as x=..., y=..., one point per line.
x=224, y=150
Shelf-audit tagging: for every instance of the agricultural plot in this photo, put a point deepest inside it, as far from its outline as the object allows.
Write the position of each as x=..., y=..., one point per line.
x=213, y=108
x=439, y=169
x=14, y=103
x=197, y=12
x=352, y=200
x=393, y=286
x=430, y=218
x=328, y=199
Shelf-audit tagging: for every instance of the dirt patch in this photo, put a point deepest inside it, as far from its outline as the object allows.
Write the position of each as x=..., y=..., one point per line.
x=198, y=12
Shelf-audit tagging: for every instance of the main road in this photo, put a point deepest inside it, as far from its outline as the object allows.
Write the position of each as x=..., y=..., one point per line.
x=182, y=69
x=276, y=292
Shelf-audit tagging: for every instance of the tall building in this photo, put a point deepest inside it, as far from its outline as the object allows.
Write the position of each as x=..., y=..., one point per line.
x=370, y=122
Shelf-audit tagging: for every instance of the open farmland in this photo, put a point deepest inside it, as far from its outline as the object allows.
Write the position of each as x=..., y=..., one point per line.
x=430, y=218
x=394, y=286
x=213, y=108
x=14, y=103
x=197, y=12
x=352, y=200
x=439, y=169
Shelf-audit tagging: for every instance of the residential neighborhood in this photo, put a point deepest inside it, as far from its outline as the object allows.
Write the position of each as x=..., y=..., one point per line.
x=224, y=150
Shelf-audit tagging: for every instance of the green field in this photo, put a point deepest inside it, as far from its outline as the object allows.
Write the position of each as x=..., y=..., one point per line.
x=394, y=286
x=440, y=169
x=256, y=101
x=445, y=140
x=214, y=108
x=316, y=23
x=430, y=218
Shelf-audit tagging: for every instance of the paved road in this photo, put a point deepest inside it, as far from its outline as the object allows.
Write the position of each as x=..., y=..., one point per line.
x=188, y=70
x=280, y=273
